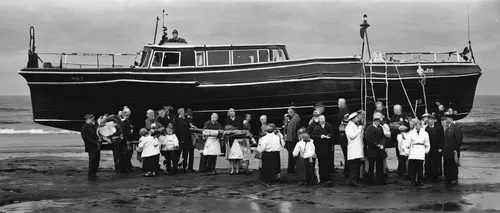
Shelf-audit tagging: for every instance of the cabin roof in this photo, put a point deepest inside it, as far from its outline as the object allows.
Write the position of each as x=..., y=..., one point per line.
x=182, y=45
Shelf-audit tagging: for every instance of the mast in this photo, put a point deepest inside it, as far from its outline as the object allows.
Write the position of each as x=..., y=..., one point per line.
x=468, y=33
x=156, y=29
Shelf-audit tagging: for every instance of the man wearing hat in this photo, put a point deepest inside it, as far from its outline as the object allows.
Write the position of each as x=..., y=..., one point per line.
x=433, y=159
x=176, y=38
x=425, y=120
x=90, y=139
x=355, y=154
x=375, y=142
x=451, y=150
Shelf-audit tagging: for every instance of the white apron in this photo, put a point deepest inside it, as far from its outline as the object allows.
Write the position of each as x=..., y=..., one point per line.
x=212, y=146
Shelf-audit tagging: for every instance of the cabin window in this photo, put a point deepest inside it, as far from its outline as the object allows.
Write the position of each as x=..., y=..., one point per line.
x=263, y=55
x=278, y=55
x=218, y=57
x=144, y=55
x=166, y=59
x=200, y=59
x=244, y=56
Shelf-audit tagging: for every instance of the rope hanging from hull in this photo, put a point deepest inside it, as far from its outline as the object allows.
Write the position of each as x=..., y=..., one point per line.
x=404, y=89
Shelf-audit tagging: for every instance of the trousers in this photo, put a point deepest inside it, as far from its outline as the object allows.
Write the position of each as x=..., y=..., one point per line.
x=432, y=165
x=94, y=158
x=379, y=164
x=188, y=157
x=289, y=146
x=416, y=170
x=354, y=168
x=402, y=170
x=450, y=169
x=325, y=167
x=211, y=162
x=170, y=160
x=119, y=157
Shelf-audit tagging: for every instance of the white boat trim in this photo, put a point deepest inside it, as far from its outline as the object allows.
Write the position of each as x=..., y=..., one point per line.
x=57, y=120
x=119, y=80
x=165, y=70
x=246, y=84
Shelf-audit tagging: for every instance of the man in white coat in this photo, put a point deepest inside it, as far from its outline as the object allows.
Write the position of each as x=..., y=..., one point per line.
x=355, y=154
x=419, y=147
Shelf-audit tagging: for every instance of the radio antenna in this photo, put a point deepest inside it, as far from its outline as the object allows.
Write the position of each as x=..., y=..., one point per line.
x=163, y=21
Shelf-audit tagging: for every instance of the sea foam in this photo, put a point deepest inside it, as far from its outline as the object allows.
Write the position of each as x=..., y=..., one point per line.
x=34, y=132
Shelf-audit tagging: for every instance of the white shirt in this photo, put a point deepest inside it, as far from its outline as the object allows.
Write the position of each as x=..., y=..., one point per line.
x=355, y=144
x=149, y=146
x=306, y=150
x=269, y=143
x=404, y=143
x=419, y=144
x=168, y=142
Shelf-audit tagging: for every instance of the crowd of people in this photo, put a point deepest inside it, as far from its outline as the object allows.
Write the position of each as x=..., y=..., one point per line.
x=426, y=148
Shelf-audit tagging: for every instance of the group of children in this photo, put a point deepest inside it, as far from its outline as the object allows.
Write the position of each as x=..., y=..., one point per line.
x=155, y=142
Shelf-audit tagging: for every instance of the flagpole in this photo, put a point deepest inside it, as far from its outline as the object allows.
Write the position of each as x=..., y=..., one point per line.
x=468, y=33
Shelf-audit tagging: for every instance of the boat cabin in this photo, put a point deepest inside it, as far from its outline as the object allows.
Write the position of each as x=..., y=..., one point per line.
x=172, y=55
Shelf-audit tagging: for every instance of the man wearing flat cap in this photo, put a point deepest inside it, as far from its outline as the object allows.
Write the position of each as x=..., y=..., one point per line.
x=433, y=160
x=451, y=150
x=90, y=139
x=375, y=142
x=176, y=38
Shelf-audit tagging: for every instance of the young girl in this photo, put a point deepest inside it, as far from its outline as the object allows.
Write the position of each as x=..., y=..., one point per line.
x=150, y=148
x=403, y=148
x=169, y=144
x=305, y=152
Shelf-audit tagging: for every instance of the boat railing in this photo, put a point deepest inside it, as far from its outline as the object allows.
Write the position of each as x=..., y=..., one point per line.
x=88, y=60
x=409, y=57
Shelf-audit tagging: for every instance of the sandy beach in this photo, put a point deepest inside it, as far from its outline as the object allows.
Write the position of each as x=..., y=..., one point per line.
x=38, y=174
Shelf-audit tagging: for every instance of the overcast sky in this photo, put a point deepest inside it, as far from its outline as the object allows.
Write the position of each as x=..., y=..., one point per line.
x=310, y=29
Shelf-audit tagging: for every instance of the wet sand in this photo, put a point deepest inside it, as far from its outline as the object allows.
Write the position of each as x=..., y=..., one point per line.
x=38, y=174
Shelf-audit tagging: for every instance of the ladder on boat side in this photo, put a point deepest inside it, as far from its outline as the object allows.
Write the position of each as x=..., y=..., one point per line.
x=379, y=81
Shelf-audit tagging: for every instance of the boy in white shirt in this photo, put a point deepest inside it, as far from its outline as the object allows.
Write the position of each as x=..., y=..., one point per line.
x=169, y=144
x=305, y=152
x=150, y=148
x=403, y=148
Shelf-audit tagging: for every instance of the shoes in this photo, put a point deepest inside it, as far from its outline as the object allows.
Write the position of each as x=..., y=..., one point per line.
x=248, y=172
x=214, y=172
x=301, y=183
x=231, y=173
x=330, y=184
x=191, y=170
x=454, y=183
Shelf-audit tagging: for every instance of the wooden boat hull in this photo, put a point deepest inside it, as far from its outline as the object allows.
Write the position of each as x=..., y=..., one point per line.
x=60, y=98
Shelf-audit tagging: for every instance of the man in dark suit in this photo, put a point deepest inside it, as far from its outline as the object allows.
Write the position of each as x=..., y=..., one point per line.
x=451, y=150
x=322, y=135
x=90, y=139
x=375, y=142
x=181, y=128
x=291, y=137
x=433, y=161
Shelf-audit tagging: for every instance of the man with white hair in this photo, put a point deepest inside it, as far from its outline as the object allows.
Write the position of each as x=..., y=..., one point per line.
x=323, y=135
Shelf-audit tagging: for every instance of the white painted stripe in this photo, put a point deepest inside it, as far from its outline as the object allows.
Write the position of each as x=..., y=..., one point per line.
x=118, y=80
x=109, y=71
x=167, y=72
x=247, y=84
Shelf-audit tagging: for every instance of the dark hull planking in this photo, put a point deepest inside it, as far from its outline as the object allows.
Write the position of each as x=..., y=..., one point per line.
x=60, y=98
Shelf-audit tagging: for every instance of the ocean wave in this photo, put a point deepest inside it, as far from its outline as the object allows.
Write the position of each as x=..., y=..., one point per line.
x=10, y=122
x=8, y=109
x=34, y=132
